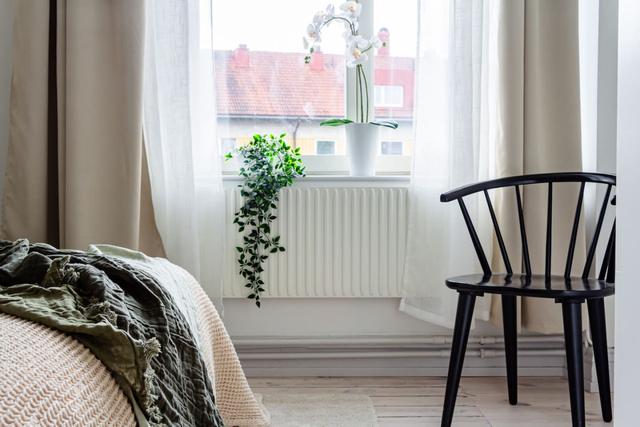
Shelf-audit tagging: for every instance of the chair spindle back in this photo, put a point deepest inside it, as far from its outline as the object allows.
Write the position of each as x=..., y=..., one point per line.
x=607, y=269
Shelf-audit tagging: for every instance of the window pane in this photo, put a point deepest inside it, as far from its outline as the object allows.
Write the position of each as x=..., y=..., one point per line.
x=262, y=82
x=325, y=148
x=391, y=148
x=394, y=71
x=389, y=96
x=227, y=145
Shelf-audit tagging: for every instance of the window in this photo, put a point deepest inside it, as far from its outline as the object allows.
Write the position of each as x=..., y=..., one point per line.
x=389, y=96
x=264, y=86
x=394, y=79
x=325, y=148
x=391, y=148
x=227, y=144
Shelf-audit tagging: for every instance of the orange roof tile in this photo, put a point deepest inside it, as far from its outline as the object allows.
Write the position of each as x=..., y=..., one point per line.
x=277, y=84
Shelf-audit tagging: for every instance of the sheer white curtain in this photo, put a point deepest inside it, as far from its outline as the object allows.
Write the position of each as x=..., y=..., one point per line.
x=179, y=133
x=451, y=149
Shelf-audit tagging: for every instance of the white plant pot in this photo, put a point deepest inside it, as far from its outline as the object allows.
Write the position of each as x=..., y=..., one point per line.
x=362, y=148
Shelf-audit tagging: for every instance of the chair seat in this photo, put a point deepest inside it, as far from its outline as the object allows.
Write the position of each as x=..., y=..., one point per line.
x=533, y=286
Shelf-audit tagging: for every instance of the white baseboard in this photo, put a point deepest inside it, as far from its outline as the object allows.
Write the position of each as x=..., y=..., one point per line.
x=395, y=355
x=590, y=377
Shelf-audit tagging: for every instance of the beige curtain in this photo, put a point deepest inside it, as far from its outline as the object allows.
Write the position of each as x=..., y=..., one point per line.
x=538, y=130
x=76, y=171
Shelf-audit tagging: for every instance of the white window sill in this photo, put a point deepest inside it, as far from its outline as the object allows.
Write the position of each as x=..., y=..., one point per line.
x=338, y=181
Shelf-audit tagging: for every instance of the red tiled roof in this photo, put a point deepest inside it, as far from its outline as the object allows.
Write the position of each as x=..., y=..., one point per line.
x=276, y=84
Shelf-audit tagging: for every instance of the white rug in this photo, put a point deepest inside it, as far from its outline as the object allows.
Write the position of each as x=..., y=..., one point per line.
x=320, y=410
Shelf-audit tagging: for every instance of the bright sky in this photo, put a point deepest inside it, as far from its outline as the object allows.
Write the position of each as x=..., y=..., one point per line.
x=278, y=25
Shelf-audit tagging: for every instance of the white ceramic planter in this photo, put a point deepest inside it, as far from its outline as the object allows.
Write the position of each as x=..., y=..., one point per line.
x=362, y=148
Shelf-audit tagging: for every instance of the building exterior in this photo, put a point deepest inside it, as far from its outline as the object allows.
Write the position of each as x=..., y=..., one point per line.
x=276, y=92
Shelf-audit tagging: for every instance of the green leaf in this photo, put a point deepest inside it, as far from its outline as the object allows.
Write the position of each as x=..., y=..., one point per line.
x=335, y=122
x=268, y=165
x=385, y=123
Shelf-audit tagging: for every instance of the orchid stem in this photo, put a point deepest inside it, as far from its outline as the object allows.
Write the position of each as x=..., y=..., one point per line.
x=358, y=111
x=353, y=30
x=360, y=75
x=366, y=89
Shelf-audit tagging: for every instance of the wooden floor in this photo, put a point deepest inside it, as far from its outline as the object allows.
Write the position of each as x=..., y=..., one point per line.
x=416, y=401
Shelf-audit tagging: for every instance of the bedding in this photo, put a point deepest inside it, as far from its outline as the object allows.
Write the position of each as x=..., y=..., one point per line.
x=121, y=305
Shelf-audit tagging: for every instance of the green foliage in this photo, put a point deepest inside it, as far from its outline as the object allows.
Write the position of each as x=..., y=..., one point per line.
x=385, y=123
x=268, y=165
x=335, y=122
x=340, y=122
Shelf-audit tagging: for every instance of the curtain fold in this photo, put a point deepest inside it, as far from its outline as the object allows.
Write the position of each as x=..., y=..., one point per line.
x=538, y=130
x=451, y=150
x=513, y=108
x=75, y=162
x=179, y=128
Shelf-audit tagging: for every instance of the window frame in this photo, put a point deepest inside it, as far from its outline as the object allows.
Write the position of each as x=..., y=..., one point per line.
x=319, y=141
x=339, y=164
x=391, y=142
x=379, y=89
x=224, y=139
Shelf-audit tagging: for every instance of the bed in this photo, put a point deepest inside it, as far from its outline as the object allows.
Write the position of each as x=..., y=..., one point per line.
x=50, y=378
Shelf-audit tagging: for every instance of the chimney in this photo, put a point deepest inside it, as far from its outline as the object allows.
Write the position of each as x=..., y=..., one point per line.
x=383, y=35
x=241, y=56
x=317, y=60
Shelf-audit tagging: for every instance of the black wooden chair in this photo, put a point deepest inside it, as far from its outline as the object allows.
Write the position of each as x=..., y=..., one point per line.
x=571, y=291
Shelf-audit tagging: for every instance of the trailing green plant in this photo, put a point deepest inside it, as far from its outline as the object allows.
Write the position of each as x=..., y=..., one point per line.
x=268, y=165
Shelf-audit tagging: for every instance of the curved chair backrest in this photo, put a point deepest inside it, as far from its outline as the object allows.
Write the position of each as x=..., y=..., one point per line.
x=607, y=269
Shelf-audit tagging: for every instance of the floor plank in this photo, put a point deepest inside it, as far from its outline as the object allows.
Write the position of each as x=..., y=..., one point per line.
x=416, y=401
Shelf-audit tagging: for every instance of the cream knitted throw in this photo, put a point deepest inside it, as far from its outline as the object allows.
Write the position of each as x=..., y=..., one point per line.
x=48, y=378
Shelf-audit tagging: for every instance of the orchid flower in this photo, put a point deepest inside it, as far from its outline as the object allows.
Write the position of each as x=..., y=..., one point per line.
x=330, y=11
x=313, y=33
x=376, y=42
x=355, y=55
x=351, y=9
x=358, y=41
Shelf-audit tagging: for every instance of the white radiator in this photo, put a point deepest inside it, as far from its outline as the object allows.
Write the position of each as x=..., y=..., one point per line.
x=340, y=242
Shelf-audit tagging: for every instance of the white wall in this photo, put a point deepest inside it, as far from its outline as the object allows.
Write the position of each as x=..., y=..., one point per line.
x=607, y=85
x=627, y=374
x=598, y=93
x=6, y=33
x=607, y=116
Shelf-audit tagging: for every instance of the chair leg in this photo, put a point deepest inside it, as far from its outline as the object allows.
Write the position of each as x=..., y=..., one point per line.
x=572, y=319
x=598, y=327
x=466, y=302
x=509, y=320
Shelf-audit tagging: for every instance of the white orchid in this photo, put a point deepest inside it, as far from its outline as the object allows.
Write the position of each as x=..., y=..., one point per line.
x=313, y=33
x=319, y=18
x=376, y=42
x=356, y=57
x=357, y=41
x=330, y=11
x=323, y=17
x=351, y=9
